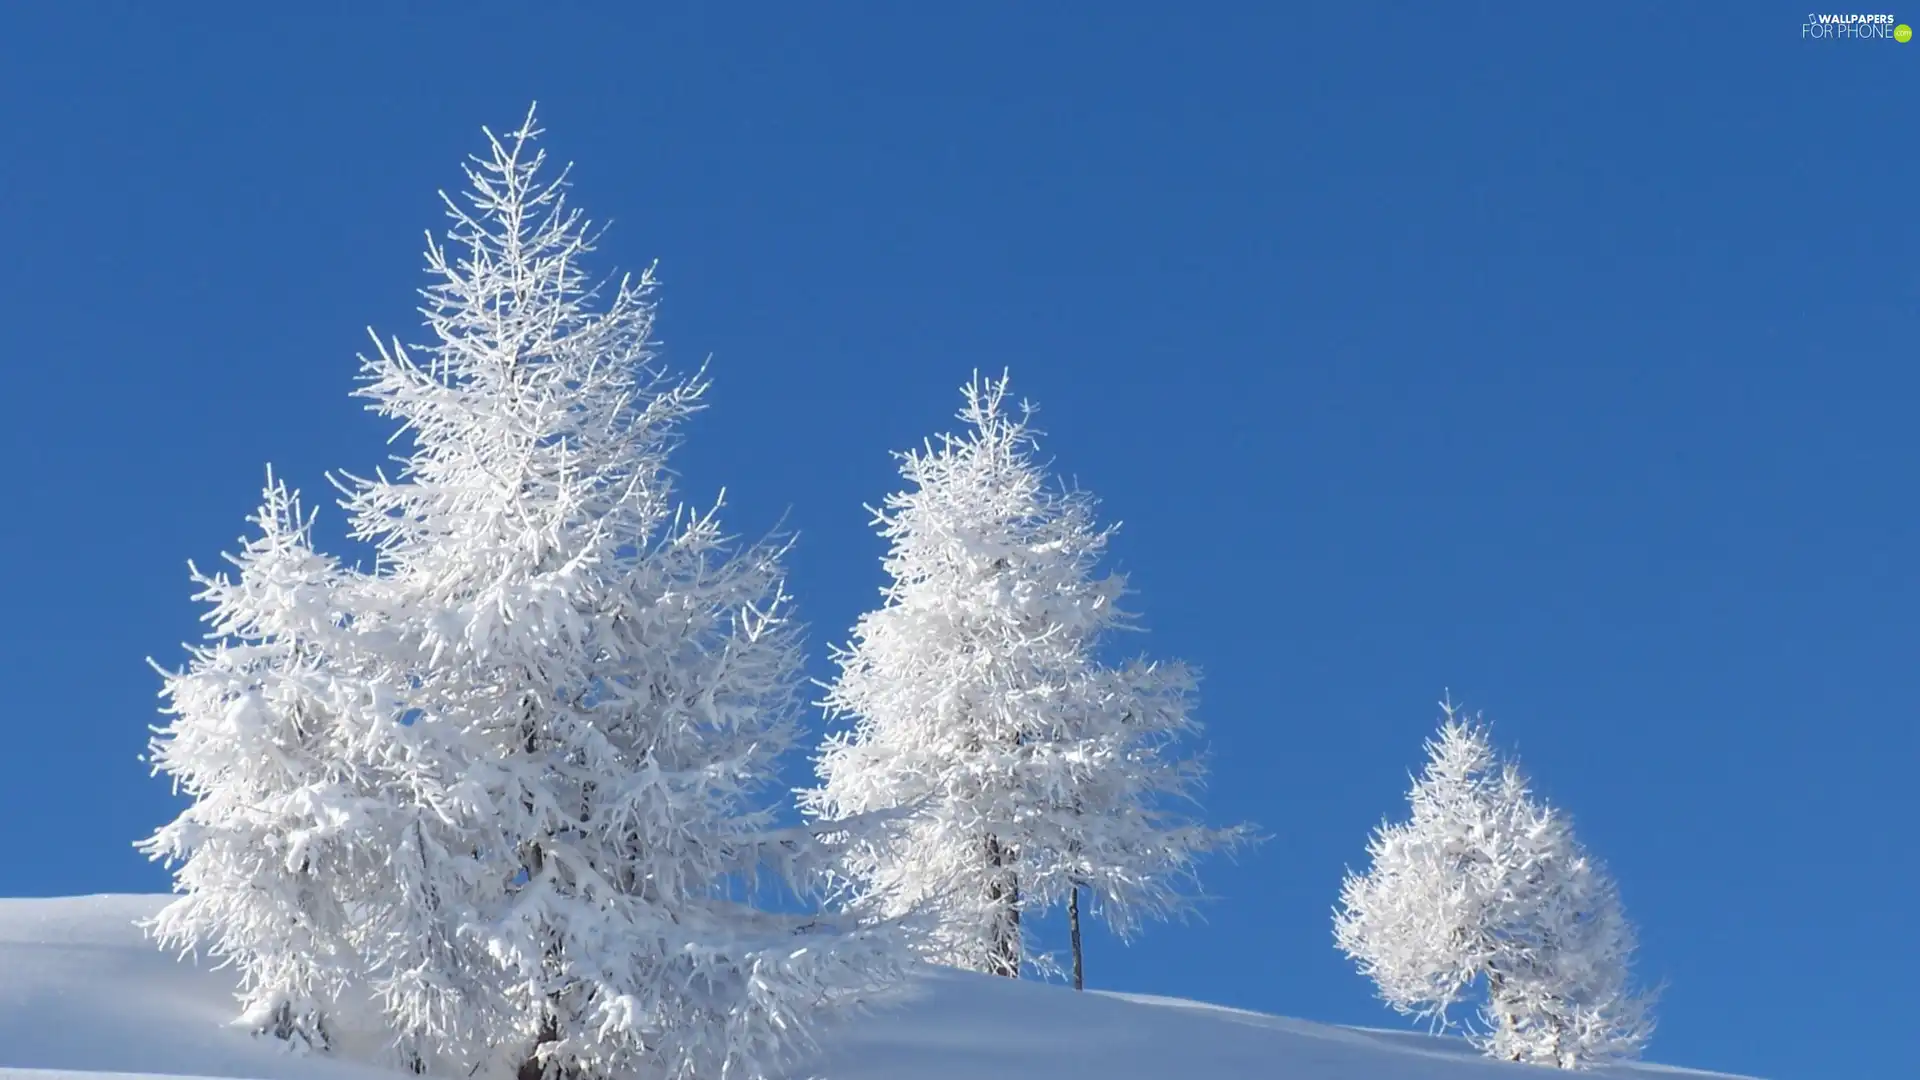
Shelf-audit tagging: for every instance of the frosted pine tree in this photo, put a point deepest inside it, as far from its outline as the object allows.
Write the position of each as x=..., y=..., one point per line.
x=1485, y=887
x=595, y=685
x=1007, y=767
x=267, y=856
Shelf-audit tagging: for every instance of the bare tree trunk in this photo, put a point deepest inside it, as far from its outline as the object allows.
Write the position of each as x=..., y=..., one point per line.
x=1073, y=906
x=1003, y=894
x=1010, y=945
x=1073, y=925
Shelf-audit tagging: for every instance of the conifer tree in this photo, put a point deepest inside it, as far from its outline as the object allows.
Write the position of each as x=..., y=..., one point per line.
x=1485, y=886
x=267, y=855
x=1006, y=767
x=576, y=692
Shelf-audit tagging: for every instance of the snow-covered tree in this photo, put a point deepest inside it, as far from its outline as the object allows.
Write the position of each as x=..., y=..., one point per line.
x=574, y=693
x=1485, y=886
x=602, y=684
x=1006, y=767
x=267, y=855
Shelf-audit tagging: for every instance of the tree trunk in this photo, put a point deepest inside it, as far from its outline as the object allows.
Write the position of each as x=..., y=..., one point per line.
x=1073, y=926
x=309, y=1026
x=532, y=1068
x=1504, y=1016
x=533, y=863
x=1003, y=894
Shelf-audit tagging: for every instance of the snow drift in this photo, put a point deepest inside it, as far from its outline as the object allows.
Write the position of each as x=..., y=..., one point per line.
x=83, y=994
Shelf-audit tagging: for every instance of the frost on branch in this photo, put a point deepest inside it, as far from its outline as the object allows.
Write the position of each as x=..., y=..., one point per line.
x=1485, y=887
x=1007, y=767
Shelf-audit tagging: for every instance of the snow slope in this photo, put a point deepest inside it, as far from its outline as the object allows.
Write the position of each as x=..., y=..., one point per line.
x=84, y=997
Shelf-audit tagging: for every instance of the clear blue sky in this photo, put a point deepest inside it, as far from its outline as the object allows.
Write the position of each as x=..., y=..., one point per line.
x=1566, y=360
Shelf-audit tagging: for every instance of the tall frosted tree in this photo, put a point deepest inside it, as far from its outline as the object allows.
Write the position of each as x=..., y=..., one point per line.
x=580, y=691
x=267, y=856
x=1485, y=887
x=1000, y=767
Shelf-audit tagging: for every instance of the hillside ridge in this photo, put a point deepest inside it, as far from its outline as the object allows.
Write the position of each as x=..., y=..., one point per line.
x=87, y=997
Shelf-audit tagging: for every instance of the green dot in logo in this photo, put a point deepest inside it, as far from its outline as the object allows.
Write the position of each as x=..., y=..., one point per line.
x=1903, y=33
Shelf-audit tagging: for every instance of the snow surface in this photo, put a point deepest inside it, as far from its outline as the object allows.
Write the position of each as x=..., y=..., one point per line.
x=83, y=994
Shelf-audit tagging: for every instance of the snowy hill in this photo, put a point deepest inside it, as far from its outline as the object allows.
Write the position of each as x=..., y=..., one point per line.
x=83, y=995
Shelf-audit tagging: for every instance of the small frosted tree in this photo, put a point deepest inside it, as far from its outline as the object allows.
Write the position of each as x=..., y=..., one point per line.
x=1484, y=886
x=267, y=856
x=1003, y=769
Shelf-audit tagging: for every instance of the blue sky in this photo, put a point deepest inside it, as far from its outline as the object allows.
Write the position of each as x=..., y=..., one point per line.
x=1565, y=360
